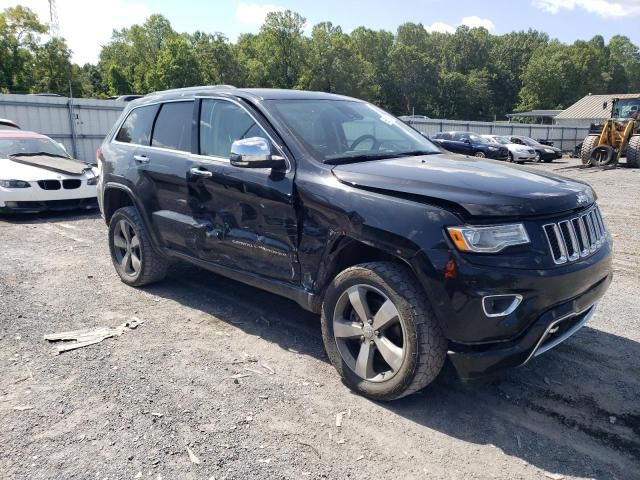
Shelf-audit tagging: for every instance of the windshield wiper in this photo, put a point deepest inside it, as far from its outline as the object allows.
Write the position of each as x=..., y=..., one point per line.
x=36, y=154
x=416, y=153
x=358, y=158
x=377, y=156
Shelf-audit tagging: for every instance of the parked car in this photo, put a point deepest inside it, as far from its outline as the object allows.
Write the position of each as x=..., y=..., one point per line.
x=517, y=153
x=6, y=124
x=545, y=153
x=37, y=174
x=408, y=254
x=471, y=144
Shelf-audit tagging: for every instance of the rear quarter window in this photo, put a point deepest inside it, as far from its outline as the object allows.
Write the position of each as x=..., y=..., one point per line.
x=137, y=127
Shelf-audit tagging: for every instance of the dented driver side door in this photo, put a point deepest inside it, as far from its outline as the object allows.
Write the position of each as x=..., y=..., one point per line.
x=245, y=217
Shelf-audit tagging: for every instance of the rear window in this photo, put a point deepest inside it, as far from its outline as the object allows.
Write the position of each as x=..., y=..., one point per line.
x=137, y=127
x=173, y=126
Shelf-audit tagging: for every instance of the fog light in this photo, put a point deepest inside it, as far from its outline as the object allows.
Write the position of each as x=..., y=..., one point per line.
x=500, y=305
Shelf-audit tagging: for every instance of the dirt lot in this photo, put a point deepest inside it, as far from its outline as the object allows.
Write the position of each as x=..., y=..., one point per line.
x=240, y=378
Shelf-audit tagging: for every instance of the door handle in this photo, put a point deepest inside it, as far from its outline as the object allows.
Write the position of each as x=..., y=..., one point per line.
x=198, y=172
x=141, y=158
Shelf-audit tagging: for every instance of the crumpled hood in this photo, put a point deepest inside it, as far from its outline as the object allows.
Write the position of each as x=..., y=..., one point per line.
x=479, y=187
x=11, y=170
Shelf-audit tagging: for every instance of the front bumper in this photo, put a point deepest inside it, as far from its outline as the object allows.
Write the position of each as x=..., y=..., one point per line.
x=524, y=157
x=481, y=344
x=38, y=199
x=90, y=203
x=550, y=329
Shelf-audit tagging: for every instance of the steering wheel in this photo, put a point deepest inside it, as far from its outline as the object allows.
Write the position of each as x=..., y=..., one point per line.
x=361, y=139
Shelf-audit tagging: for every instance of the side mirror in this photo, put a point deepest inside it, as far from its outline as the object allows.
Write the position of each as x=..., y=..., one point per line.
x=254, y=152
x=61, y=145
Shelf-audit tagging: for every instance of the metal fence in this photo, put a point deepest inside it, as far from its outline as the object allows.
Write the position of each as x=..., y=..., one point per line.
x=564, y=137
x=79, y=123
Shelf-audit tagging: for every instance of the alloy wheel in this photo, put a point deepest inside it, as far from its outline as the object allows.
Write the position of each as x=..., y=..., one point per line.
x=369, y=332
x=127, y=248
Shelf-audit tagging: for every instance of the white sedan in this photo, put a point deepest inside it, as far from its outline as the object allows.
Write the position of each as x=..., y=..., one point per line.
x=517, y=153
x=37, y=174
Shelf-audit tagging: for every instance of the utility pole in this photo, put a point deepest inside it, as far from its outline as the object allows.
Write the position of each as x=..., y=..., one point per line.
x=54, y=26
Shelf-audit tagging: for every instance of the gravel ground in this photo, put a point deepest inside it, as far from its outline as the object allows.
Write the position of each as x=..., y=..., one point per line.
x=239, y=377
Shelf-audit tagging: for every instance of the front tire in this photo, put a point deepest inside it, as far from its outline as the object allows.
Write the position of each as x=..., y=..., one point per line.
x=134, y=258
x=479, y=155
x=380, y=332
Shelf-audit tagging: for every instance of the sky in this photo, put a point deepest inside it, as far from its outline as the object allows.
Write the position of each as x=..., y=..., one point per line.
x=87, y=24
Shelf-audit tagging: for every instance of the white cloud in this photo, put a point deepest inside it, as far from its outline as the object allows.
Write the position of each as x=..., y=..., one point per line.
x=475, y=22
x=440, y=27
x=86, y=25
x=472, y=22
x=603, y=8
x=255, y=13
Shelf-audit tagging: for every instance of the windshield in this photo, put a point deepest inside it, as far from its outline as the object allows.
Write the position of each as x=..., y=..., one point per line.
x=343, y=130
x=529, y=141
x=21, y=145
x=478, y=139
x=627, y=108
x=502, y=140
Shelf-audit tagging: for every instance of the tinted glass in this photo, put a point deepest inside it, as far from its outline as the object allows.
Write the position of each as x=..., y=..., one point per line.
x=137, y=127
x=173, y=126
x=340, y=129
x=221, y=124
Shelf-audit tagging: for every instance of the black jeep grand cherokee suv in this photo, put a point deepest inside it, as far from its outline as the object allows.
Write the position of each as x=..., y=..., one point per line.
x=410, y=255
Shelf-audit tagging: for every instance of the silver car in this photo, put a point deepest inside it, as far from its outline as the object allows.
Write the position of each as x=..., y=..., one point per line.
x=517, y=153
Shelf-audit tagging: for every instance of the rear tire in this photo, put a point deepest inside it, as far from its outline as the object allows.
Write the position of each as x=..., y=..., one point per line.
x=413, y=336
x=633, y=152
x=510, y=157
x=133, y=256
x=587, y=147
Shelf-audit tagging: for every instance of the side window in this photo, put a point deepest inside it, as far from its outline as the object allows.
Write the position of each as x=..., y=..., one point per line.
x=173, y=126
x=222, y=123
x=137, y=127
x=517, y=140
x=459, y=137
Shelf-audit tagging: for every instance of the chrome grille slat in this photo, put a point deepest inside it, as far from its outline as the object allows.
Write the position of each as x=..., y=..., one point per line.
x=577, y=237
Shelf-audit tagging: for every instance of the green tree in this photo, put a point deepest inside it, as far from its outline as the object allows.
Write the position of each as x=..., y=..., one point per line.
x=175, y=67
x=333, y=64
x=53, y=71
x=549, y=79
x=281, y=48
x=20, y=32
x=217, y=60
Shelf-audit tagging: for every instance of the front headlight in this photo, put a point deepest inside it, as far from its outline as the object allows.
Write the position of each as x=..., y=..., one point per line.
x=488, y=239
x=14, y=184
x=493, y=148
x=548, y=150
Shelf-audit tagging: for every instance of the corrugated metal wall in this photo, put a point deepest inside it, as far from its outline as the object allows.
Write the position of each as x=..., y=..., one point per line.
x=565, y=137
x=79, y=123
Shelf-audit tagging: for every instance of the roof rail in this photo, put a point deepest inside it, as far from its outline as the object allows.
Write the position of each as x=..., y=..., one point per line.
x=192, y=89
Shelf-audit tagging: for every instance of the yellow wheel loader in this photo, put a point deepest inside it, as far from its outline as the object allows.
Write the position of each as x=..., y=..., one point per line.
x=619, y=136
